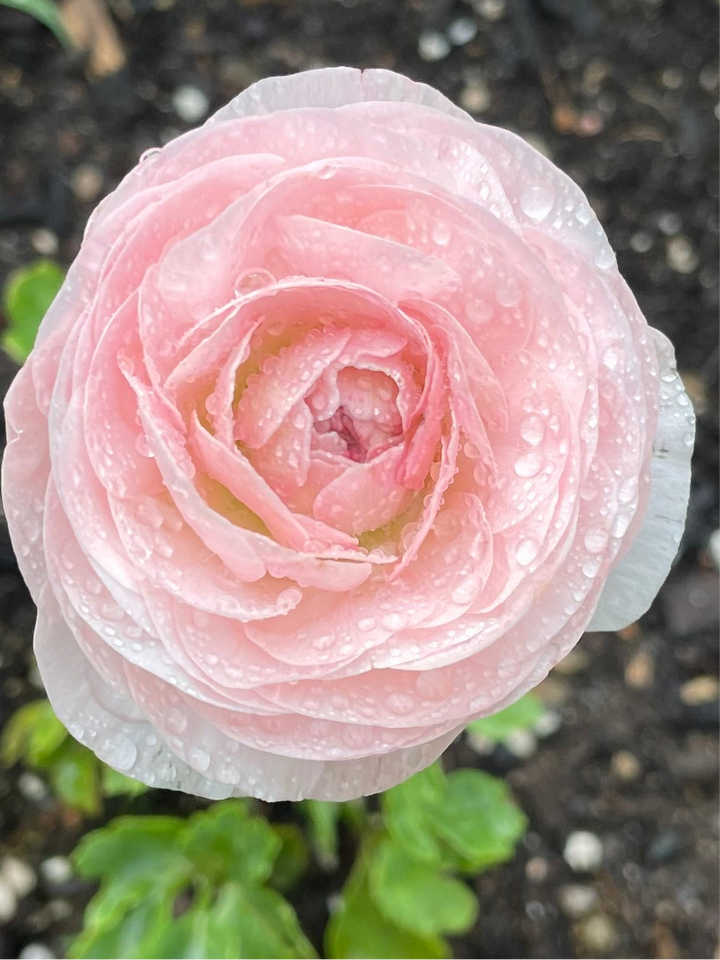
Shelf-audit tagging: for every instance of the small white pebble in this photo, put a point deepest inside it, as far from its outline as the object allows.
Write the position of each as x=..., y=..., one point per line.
x=482, y=746
x=32, y=787
x=44, y=241
x=680, y=255
x=521, y=743
x=547, y=724
x=190, y=104
x=491, y=10
x=433, y=46
x=583, y=851
x=56, y=869
x=577, y=901
x=714, y=548
x=8, y=901
x=475, y=97
x=18, y=875
x=36, y=951
x=461, y=31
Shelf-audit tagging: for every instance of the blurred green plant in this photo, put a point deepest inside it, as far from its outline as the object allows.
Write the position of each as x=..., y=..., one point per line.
x=35, y=736
x=323, y=820
x=498, y=727
x=403, y=896
x=211, y=886
x=45, y=12
x=188, y=888
x=27, y=294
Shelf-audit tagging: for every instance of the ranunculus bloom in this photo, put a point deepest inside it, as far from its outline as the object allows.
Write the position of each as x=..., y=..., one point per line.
x=342, y=430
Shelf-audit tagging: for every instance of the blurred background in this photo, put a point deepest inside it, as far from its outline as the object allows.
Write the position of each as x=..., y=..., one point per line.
x=617, y=773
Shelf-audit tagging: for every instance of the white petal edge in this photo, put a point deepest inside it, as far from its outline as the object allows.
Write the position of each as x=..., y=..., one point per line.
x=110, y=724
x=633, y=584
x=332, y=87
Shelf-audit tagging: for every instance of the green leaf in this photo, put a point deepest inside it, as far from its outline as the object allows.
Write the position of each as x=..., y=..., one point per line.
x=28, y=293
x=116, y=784
x=74, y=775
x=359, y=930
x=411, y=809
x=264, y=922
x=479, y=822
x=225, y=843
x=416, y=896
x=465, y=821
x=521, y=715
x=132, y=856
x=45, y=12
x=323, y=816
x=292, y=859
x=33, y=733
x=135, y=936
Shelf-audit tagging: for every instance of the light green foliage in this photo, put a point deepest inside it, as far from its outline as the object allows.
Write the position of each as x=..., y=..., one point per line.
x=35, y=736
x=187, y=888
x=46, y=12
x=521, y=715
x=465, y=821
x=402, y=898
x=27, y=294
x=323, y=822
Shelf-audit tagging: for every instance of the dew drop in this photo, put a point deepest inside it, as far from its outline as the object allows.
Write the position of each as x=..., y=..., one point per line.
x=604, y=258
x=528, y=465
x=400, y=703
x=532, y=429
x=176, y=721
x=441, y=234
x=537, y=201
x=595, y=540
x=526, y=552
x=199, y=759
x=326, y=173
x=251, y=280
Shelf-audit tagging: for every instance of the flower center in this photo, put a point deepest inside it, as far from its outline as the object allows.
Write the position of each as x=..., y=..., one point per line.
x=356, y=416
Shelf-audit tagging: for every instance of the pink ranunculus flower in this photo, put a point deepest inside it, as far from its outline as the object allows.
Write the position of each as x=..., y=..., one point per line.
x=342, y=430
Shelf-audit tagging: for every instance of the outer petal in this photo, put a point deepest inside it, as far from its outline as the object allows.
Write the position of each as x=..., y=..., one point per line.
x=632, y=585
x=331, y=87
x=110, y=723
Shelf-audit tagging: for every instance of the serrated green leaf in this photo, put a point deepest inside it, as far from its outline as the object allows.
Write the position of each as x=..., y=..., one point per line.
x=466, y=821
x=411, y=809
x=225, y=842
x=131, y=855
x=521, y=715
x=292, y=859
x=417, y=896
x=74, y=775
x=481, y=824
x=33, y=733
x=134, y=936
x=28, y=293
x=265, y=922
x=359, y=930
x=115, y=784
x=323, y=816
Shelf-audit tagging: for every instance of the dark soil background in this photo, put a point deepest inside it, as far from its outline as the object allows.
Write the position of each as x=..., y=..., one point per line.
x=622, y=95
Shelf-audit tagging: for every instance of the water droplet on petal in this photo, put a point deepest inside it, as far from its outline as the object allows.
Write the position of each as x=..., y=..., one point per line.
x=251, y=280
x=441, y=234
x=526, y=552
x=529, y=465
x=532, y=429
x=595, y=540
x=537, y=201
